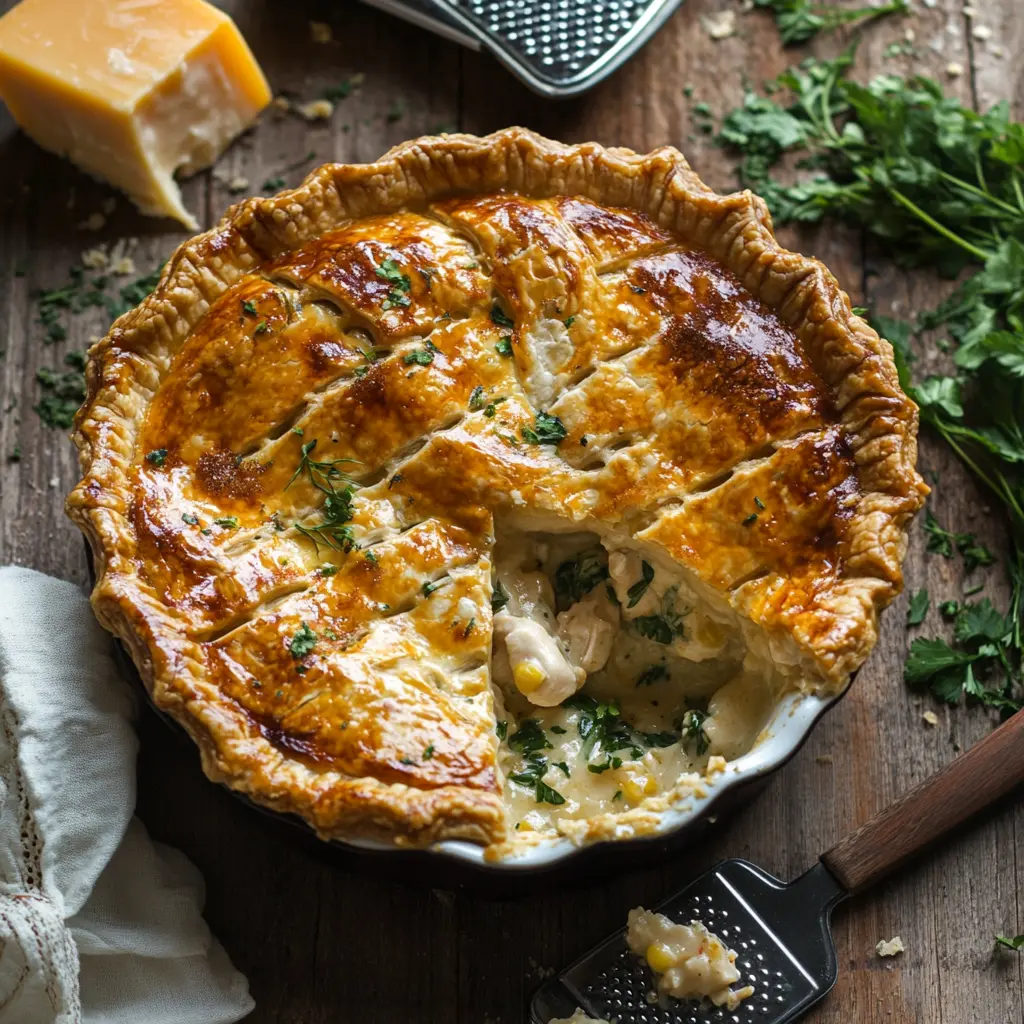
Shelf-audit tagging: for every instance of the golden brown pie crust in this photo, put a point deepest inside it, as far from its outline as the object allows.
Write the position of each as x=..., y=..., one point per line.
x=722, y=403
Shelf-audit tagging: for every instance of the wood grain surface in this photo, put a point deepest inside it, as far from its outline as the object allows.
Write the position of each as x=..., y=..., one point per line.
x=322, y=944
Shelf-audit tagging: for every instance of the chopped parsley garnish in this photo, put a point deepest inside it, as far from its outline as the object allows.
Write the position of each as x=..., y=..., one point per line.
x=531, y=777
x=249, y=307
x=637, y=591
x=371, y=558
x=652, y=675
x=501, y=729
x=400, y=284
x=492, y=407
x=562, y=767
x=303, y=642
x=428, y=753
x=611, y=762
x=227, y=522
x=477, y=398
x=419, y=357
x=327, y=569
x=751, y=519
x=262, y=328
x=191, y=520
x=558, y=730
x=500, y=318
x=600, y=723
x=157, y=457
x=694, y=735
x=529, y=738
x=469, y=627
x=273, y=184
x=63, y=393
x=663, y=628
x=575, y=579
x=499, y=596
x=569, y=321
x=759, y=503
x=918, y=607
x=504, y=346
x=429, y=587
x=546, y=429
x=1016, y=943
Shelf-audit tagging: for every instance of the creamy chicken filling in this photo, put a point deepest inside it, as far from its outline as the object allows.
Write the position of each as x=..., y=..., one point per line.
x=615, y=678
x=688, y=961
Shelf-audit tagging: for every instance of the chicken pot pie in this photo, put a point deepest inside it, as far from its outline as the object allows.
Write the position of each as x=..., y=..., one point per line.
x=493, y=491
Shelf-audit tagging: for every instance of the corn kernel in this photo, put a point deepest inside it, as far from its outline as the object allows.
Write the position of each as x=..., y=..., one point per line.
x=636, y=787
x=528, y=675
x=660, y=958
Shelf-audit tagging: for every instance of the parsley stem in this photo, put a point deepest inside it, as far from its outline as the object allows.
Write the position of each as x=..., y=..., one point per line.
x=935, y=225
x=1015, y=178
x=983, y=192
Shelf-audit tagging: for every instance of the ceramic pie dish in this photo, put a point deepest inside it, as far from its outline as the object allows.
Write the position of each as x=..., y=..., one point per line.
x=501, y=496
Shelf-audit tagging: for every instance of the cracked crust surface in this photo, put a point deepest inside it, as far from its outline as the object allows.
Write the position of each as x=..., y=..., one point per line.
x=402, y=324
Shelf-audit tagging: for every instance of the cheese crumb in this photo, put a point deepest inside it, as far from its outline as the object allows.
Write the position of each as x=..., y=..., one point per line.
x=716, y=763
x=94, y=222
x=930, y=718
x=318, y=110
x=981, y=32
x=320, y=32
x=720, y=25
x=954, y=69
x=123, y=267
x=890, y=947
x=969, y=12
x=94, y=259
x=281, y=103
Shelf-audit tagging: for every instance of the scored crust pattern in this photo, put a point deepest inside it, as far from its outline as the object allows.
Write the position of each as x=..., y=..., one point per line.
x=416, y=323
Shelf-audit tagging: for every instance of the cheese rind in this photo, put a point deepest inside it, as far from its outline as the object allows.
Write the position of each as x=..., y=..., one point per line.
x=131, y=91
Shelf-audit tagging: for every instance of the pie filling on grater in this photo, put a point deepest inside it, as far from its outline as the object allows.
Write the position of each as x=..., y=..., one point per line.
x=497, y=490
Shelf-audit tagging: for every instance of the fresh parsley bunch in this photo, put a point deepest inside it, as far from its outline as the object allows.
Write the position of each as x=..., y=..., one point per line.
x=941, y=186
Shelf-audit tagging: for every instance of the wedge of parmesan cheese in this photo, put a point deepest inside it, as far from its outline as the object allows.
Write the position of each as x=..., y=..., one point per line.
x=132, y=91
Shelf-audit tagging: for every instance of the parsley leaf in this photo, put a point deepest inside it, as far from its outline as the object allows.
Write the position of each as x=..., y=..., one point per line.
x=652, y=675
x=1016, y=943
x=693, y=732
x=500, y=317
x=157, y=457
x=303, y=642
x=918, y=607
x=637, y=591
x=400, y=284
x=576, y=578
x=801, y=20
x=546, y=430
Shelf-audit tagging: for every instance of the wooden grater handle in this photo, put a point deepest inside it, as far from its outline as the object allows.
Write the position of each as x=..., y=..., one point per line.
x=968, y=784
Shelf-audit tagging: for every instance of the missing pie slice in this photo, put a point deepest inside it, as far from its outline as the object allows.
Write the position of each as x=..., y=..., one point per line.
x=496, y=490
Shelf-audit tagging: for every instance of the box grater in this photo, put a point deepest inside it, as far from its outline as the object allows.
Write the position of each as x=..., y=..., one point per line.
x=559, y=48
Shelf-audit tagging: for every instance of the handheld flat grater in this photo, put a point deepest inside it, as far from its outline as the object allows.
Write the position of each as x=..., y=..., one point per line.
x=559, y=48
x=781, y=932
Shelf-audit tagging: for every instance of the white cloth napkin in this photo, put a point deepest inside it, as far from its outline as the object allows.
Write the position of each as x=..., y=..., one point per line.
x=98, y=924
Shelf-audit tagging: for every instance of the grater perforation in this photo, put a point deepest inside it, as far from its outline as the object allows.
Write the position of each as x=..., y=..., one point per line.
x=557, y=47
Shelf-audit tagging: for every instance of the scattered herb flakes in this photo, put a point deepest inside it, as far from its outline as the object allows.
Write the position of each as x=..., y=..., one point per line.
x=400, y=284
x=261, y=328
x=759, y=503
x=419, y=357
x=636, y=592
x=558, y=730
x=562, y=767
x=504, y=346
x=499, y=597
x=477, y=398
x=273, y=184
x=492, y=407
x=62, y=394
x=327, y=569
x=227, y=522
x=569, y=321
x=694, y=736
x=157, y=457
x=663, y=628
x=501, y=729
x=600, y=724
x=303, y=642
x=469, y=627
x=801, y=20
x=652, y=675
x=1016, y=943
x=529, y=737
x=428, y=753
x=500, y=317
x=340, y=91
x=610, y=762
x=574, y=579
x=249, y=307
x=395, y=112
x=546, y=429
x=371, y=558
x=918, y=607
x=751, y=519
x=430, y=586
x=617, y=795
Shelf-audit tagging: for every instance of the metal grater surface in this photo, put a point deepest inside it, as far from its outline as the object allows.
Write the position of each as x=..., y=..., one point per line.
x=747, y=910
x=557, y=47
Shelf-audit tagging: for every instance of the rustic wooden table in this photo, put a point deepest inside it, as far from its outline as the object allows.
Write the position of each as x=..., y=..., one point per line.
x=321, y=943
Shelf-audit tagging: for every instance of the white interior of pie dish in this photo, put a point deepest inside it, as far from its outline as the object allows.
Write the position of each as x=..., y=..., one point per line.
x=789, y=725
